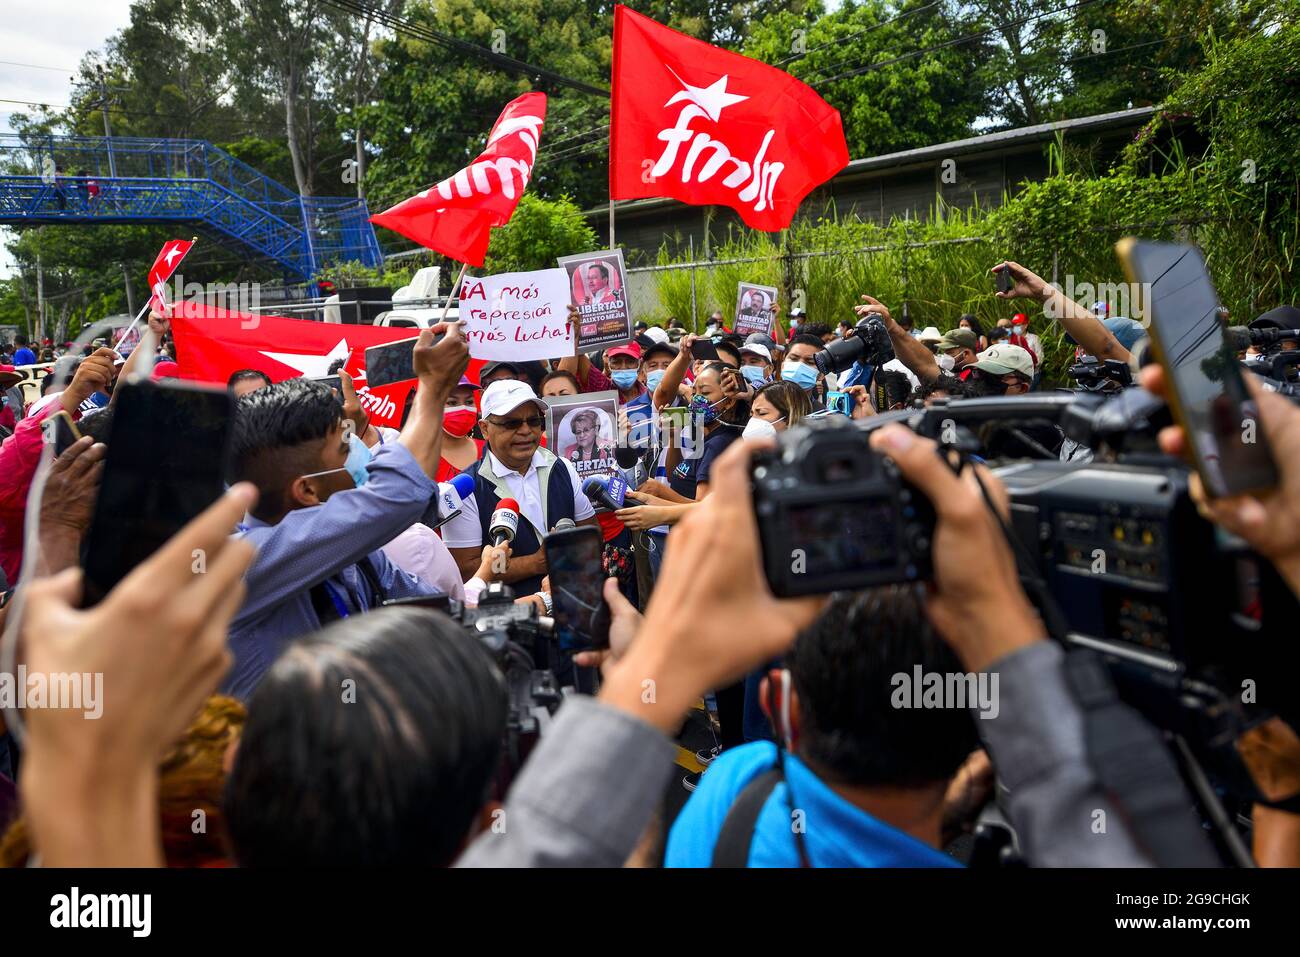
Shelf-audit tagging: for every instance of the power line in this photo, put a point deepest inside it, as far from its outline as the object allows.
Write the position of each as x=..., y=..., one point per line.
x=854, y=36
x=421, y=32
x=957, y=41
x=35, y=66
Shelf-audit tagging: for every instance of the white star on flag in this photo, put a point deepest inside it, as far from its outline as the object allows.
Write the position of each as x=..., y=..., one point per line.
x=711, y=99
x=176, y=251
x=311, y=366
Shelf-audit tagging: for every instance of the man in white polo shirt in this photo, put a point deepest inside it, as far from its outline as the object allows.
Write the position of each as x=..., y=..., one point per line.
x=514, y=465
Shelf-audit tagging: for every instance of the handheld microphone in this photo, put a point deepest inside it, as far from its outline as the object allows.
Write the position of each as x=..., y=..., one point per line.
x=449, y=500
x=604, y=494
x=505, y=522
x=564, y=524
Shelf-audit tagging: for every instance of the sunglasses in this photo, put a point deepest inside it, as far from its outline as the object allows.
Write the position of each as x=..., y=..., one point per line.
x=534, y=422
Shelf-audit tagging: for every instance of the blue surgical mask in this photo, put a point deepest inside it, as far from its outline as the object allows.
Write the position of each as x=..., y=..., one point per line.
x=624, y=378
x=358, y=459
x=754, y=375
x=653, y=379
x=800, y=373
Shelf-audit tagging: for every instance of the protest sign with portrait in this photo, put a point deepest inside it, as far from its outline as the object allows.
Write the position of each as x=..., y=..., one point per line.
x=584, y=429
x=598, y=289
x=755, y=309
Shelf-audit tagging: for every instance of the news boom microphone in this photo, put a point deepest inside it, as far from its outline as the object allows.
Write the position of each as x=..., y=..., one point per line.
x=1241, y=338
x=505, y=522
x=604, y=494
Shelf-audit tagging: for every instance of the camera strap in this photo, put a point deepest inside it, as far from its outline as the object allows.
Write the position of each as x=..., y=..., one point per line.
x=1136, y=769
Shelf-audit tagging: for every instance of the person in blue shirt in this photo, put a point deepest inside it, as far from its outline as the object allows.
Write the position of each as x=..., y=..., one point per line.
x=23, y=355
x=327, y=506
x=865, y=776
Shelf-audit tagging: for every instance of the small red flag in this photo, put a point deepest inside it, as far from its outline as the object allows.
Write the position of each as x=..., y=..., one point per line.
x=169, y=257
x=707, y=126
x=456, y=216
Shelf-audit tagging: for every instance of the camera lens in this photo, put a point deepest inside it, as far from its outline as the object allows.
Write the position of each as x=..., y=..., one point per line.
x=838, y=356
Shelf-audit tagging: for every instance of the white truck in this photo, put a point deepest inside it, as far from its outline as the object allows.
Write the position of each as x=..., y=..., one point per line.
x=425, y=307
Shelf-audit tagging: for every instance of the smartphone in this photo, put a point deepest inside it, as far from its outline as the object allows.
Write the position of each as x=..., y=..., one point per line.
x=334, y=382
x=168, y=447
x=1207, y=393
x=390, y=362
x=1004, y=279
x=437, y=602
x=60, y=431
x=706, y=349
x=840, y=402
x=573, y=562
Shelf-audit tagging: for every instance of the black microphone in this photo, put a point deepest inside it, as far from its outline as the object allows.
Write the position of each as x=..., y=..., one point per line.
x=600, y=494
x=505, y=522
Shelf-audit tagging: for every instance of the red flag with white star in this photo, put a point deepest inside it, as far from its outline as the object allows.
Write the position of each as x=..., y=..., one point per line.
x=212, y=343
x=169, y=257
x=707, y=126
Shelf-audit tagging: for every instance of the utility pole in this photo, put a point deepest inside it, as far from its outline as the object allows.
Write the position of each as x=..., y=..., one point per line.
x=40, y=304
x=112, y=171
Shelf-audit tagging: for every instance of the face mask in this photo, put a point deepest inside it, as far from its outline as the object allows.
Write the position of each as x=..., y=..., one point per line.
x=757, y=428
x=624, y=379
x=801, y=374
x=703, y=409
x=459, y=422
x=984, y=385
x=945, y=362
x=754, y=375
x=653, y=379
x=358, y=459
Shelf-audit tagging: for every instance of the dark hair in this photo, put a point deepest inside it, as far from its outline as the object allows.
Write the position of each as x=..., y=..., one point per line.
x=806, y=339
x=20, y=339
x=815, y=330
x=843, y=668
x=788, y=399
x=947, y=384
x=98, y=424
x=276, y=430
x=247, y=375
x=335, y=366
x=559, y=374
x=889, y=387
x=729, y=347
x=975, y=325
x=371, y=743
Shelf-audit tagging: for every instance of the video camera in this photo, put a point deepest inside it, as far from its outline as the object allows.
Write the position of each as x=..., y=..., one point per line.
x=869, y=342
x=1101, y=375
x=521, y=642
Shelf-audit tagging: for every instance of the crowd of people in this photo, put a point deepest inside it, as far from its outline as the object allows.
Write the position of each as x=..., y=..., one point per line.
x=315, y=727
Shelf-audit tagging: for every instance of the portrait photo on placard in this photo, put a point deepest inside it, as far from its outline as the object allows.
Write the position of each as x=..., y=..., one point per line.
x=584, y=430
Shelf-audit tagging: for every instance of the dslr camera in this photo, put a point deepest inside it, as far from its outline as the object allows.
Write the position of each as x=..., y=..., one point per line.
x=869, y=341
x=833, y=514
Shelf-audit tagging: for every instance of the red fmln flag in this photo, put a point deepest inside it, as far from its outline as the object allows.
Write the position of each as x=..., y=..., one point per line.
x=211, y=343
x=169, y=257
x=706, y=126
x=456, y=216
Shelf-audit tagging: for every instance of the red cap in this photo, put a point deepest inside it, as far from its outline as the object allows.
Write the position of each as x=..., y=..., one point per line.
x=1020, y=319
x=627, y=349
x=165, y=370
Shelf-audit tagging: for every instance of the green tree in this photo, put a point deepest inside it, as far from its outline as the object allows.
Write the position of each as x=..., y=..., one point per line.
x=862, y=58
x=540, y=231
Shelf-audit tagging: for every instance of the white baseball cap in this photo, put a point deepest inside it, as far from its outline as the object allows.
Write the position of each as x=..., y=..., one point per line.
x=657, y=335
x=506, y=395
x=1005, y=358
x=758, y=349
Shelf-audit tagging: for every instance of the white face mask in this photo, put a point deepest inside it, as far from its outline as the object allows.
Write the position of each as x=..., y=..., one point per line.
x=945, y=362
x=757, y=428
